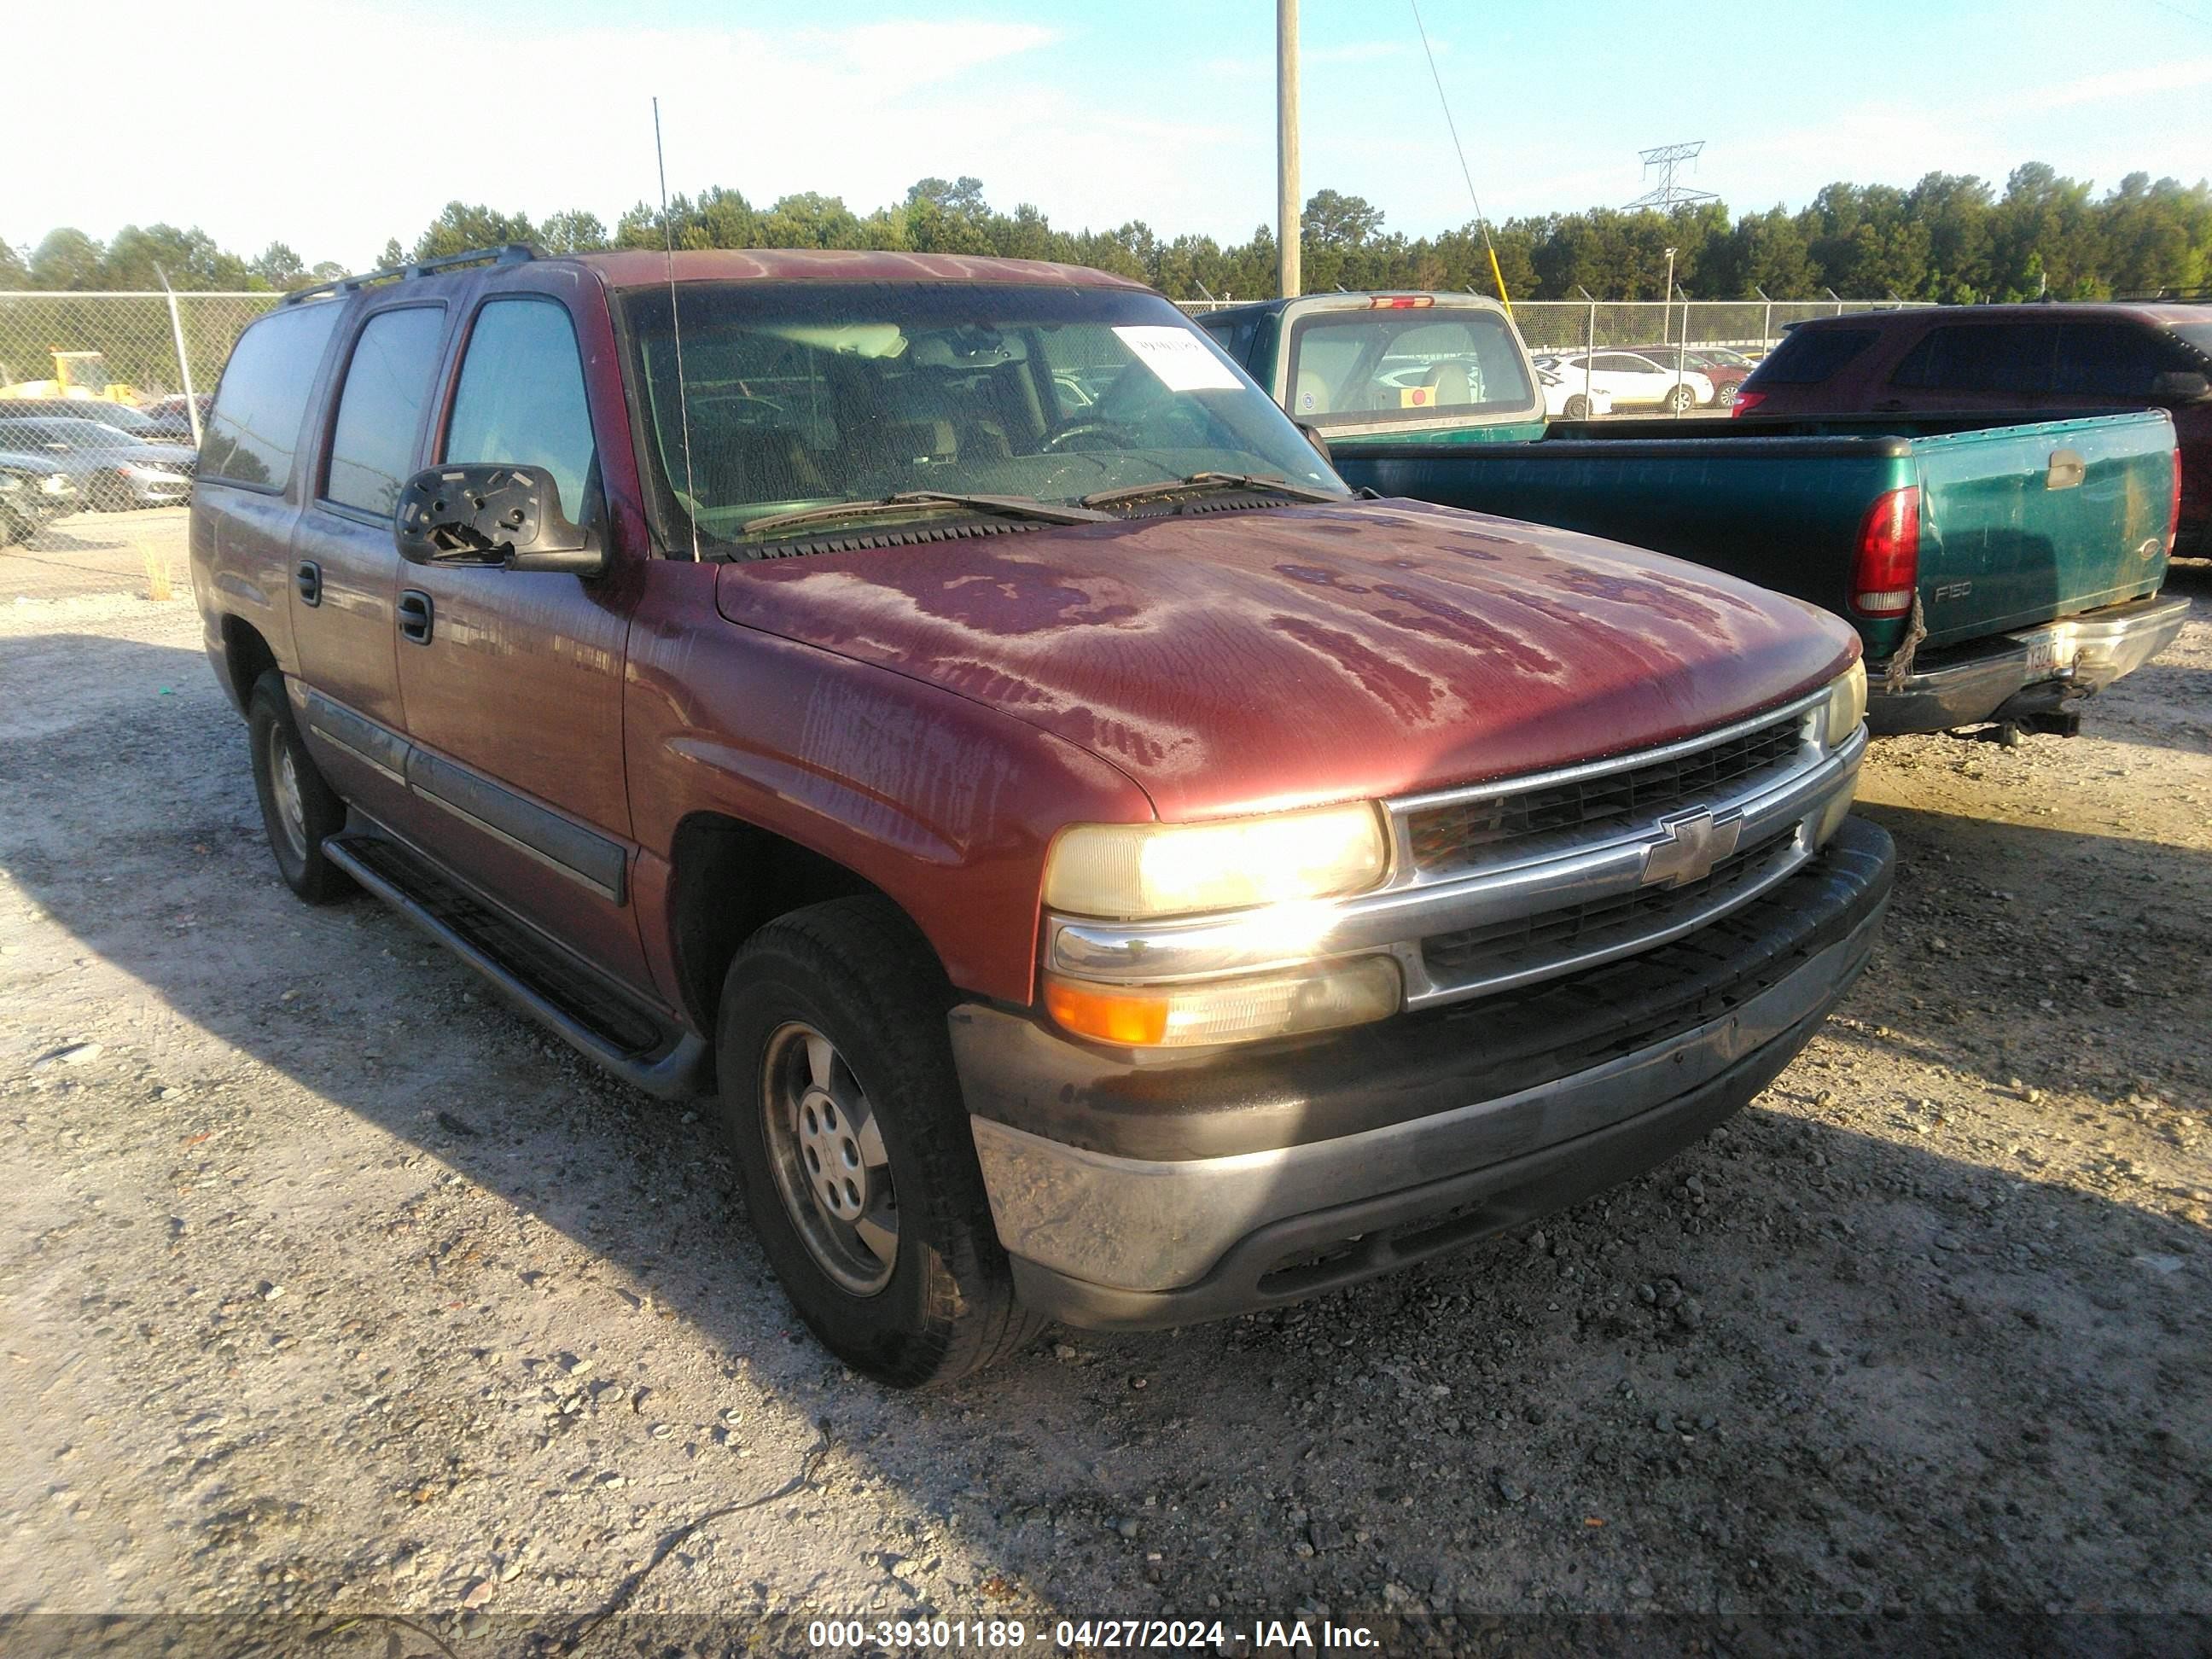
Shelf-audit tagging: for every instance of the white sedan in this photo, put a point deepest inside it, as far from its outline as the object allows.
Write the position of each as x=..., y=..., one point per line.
x=1629, y=380
x=1565, y=400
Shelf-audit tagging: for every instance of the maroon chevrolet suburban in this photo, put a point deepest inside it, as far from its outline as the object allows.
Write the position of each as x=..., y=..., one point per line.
x=1106, y=871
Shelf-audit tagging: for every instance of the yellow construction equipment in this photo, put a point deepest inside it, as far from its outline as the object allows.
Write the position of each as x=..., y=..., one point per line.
x=76, y=374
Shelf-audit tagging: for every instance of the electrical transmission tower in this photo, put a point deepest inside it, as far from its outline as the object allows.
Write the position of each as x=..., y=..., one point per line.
x=1667, y=195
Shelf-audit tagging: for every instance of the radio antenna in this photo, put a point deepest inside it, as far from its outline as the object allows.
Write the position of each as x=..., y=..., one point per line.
x=676, y=331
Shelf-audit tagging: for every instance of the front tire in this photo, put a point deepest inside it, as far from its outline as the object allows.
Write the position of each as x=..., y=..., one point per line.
x=1576, y=408
x=1679, y=398
x=109, y=493
x=854, y=1149
x=299, y=808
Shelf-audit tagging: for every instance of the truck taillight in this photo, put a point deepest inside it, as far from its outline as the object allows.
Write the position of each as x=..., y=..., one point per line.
x=1888, y=568
x=1746, y=400
x=2173, y=507
x=1401, y=302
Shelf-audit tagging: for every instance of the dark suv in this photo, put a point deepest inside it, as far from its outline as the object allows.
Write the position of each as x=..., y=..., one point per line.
x=2073, y=357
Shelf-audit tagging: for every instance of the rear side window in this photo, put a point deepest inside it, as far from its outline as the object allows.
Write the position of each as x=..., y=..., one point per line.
x=254, y=427
x=1234, y=336
x=1806, y=356
x=2016, y=357
x=521, y=397
x=381, y=410
x=2112, y=360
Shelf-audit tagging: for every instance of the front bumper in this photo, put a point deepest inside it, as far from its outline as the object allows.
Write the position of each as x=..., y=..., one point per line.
x=1138, y=1193
x=2035, y=670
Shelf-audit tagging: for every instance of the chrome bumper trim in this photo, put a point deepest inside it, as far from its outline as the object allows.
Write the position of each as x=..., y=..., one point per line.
x=1397, y=918
x=2088, y=654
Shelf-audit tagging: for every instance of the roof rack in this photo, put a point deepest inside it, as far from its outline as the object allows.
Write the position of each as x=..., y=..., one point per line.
x=507, y=253
x=2193, y=296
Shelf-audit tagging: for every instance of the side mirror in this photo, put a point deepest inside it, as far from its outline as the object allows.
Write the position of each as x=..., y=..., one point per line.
x=490, y=513
x=2184, y=386
x=1313, y=436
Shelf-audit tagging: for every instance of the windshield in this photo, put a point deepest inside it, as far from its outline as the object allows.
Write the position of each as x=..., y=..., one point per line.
x=1362, y=367
x=808, y=394
x=2198, y=335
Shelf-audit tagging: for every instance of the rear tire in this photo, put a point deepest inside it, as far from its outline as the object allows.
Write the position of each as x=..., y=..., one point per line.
x=1576, y=408
x=299, y=808
x=1679, y=398
x=853, y=1145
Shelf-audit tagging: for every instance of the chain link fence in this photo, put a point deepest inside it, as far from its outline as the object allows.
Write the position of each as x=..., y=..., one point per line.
x=134, y=351
x=95, y=415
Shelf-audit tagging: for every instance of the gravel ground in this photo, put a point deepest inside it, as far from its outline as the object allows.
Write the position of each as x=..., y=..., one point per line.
x=336, y=1292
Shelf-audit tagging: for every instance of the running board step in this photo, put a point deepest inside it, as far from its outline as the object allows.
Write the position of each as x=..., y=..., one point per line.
x=541, y=980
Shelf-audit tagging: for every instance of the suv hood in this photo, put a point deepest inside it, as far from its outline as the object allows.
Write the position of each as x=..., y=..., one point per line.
x=1241, y=661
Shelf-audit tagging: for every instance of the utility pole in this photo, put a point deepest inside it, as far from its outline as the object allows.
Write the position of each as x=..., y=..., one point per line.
x=1286, y=146
x=1667, y=320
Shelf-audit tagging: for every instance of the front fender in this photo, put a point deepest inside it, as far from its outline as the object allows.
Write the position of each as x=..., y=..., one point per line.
x=945, y=806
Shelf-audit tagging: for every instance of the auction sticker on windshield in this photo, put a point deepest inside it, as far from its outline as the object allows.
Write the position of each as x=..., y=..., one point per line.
x=1182, y=361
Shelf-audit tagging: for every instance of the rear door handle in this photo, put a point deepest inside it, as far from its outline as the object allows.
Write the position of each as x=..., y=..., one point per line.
x=1890, y=406
x=414, y=616
x=308, y=579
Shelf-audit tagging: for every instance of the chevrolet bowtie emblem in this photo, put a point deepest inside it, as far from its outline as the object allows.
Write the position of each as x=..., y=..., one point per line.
x=1689, y=845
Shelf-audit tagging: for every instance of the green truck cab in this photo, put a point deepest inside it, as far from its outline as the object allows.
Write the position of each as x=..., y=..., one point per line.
x=1997, y=567
x=1359, y=370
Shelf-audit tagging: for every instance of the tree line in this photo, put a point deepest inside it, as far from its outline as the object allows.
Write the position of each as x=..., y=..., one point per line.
x=1951, y=238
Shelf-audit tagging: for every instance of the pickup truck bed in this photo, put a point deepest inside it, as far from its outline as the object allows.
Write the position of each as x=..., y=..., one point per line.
x=2040, y=544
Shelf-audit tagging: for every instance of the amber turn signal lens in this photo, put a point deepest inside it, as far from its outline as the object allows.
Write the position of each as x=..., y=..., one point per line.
x=1318, y=997
x=1138, y=1019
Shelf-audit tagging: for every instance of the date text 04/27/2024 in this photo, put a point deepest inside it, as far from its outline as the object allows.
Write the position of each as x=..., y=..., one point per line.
x=1091, y=1634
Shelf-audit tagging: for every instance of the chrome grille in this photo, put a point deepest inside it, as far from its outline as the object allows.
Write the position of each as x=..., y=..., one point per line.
x=1460, y=834
x=1506, y=948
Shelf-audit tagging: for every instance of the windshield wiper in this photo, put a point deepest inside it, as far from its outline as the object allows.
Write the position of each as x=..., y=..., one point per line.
x=1007, y=507
x=1255, y=481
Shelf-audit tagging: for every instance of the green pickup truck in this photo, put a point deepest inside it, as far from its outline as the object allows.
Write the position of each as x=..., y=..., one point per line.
x=1996, y=569
x=1359, y=370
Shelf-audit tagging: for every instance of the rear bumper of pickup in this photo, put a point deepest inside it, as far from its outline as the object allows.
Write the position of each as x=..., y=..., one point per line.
x=2035, y=670
x=1137, y=1194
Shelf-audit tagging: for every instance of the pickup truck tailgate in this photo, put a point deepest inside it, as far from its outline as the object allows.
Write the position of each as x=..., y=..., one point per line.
x=2028, y=524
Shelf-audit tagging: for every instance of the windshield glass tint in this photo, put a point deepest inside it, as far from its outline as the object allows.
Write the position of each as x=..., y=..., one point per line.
x=810, y=394
x=1362, y=366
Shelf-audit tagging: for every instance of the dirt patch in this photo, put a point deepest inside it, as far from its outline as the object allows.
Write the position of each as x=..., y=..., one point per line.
x=333, y=1289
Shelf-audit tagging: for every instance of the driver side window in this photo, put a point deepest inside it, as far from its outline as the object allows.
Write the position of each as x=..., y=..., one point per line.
x=521, y=396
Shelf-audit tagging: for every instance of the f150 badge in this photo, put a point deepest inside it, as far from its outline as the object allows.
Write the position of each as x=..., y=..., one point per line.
x=1689, y=845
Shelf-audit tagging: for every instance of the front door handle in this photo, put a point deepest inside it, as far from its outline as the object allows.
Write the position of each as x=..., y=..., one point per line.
x=1889, y=405
x=308, y=579
x=414, y=616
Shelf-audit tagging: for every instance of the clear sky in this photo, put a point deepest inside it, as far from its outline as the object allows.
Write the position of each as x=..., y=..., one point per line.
x=334, y=125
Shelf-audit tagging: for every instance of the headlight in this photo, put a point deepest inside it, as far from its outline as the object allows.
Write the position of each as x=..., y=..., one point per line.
x=1847, y=701
x=1127, y=871
x=56, y=483
x=1319, y=997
